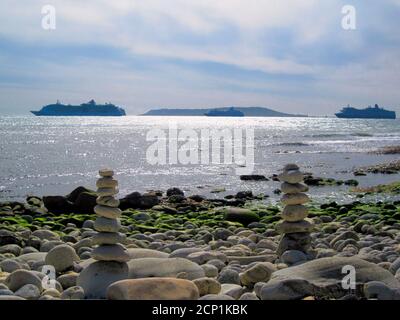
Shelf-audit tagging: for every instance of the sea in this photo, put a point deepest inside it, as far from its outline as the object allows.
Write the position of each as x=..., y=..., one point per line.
x=53, y=155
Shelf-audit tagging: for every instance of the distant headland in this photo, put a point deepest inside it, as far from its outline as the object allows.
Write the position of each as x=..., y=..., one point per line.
x=85, y=109
x=247, y=112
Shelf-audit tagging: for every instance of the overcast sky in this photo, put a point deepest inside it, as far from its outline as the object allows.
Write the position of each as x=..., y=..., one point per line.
x=292, y=56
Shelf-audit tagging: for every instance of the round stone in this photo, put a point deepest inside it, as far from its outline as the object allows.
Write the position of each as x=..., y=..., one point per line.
x=107, y=212
x=106, y=183
x=294, y=213
x=106, y=172
x=229, y=276
x=210, y=270
x=294, y=241
x=291, y=166
x=9, y=265
x=153, y=289
x=294, y=198
x=260, y=272
x=284, y=227
x=73, y=293
x=102, y=224
x=291, y=176
x=95, y=278
x=108, y=238
x=112, y=252
x=108, y=201
x=29, y=292
x=293, y=187
x=62, y=257
x=291, y=257
x=207, y=286
x=106, y=192
x=19, y=278
x=68, y=280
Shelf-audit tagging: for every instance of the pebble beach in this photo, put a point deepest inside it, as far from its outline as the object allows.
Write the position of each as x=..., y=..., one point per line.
x=164, y=244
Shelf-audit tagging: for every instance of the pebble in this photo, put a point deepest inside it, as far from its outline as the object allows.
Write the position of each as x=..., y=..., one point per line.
x=233, y=290
x=73, y=293
x=106, y=172
x=108, y=238
x=294, y=213
x=304, y=226
x=108, y=201
x=107, y=212
x=163, y=267
x=293, y=188
x=46, y=235
x=291, y=199
x=107, y=192
x=291, y=257
x=11, y=248
x=52, y=292
x=10, y=265
x=210, y=270
x=229, y=276
x=291, y=176
x=68, y=280
x=102, y=224
x=260, y=272
x=395, y=266
x=290, y=289
x=95, y=278
x=379, y=290
x=112, y=252
x=19, y=278
x=153, y=289
x=106, y=182
x=62, y=257
x=205, y=256
x=207, y=286
x=216, y=297
x=248, y=296
x=28, y=291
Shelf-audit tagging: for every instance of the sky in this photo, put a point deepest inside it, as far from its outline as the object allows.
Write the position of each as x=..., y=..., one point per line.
x=291, y=56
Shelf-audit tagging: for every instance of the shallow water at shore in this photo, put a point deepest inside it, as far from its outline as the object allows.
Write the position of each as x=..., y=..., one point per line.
x=53, y=155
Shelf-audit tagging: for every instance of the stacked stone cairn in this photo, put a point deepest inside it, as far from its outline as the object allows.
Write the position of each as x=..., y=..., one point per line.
x=295, y=227
x=111, y=255
x=107, y=223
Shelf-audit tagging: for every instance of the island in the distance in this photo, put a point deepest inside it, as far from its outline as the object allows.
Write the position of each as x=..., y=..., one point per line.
x=247, y=112
x=85, y=109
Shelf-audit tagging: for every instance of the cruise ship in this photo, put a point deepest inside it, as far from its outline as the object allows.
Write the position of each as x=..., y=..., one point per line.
x=367, y=113
x=85, y=109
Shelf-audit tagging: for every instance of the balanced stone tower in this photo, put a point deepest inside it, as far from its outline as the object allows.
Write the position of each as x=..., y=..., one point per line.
x=295, y=228
x=111, y=256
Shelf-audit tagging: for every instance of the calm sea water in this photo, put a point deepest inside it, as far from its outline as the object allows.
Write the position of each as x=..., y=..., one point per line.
x=53, y=155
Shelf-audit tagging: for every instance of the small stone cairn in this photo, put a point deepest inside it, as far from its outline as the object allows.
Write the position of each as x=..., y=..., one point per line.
x=107, y=223
x=295, y=228
x=110, y=255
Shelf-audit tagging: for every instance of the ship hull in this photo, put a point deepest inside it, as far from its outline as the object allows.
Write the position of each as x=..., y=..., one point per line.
x=39, y=114
x=344, y=116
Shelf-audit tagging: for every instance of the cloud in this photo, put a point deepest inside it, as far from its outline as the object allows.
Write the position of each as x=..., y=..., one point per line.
x=290, y=54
